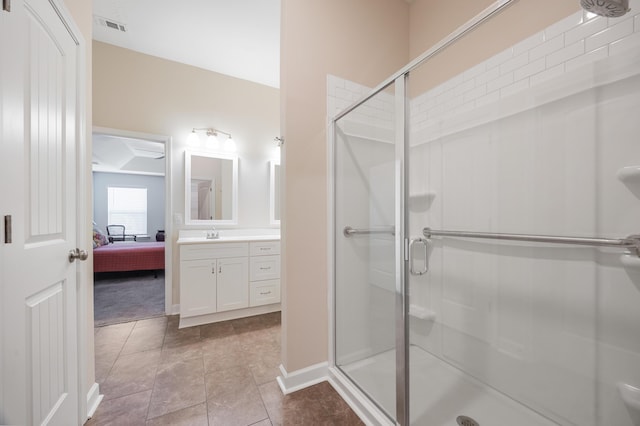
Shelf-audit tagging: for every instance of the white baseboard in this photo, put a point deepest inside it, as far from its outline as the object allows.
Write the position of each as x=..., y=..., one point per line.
x=359, y=403
x=175, y=309
x=303, y=378
x=228, y=315
x=93, y=400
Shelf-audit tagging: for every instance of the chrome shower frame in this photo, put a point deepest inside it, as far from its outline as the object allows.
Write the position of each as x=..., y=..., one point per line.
x=345, y=386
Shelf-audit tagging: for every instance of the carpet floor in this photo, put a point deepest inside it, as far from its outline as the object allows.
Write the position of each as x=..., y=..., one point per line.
x=127, y=296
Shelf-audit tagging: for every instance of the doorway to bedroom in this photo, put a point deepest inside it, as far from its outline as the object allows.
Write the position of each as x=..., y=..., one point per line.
x=130, y=203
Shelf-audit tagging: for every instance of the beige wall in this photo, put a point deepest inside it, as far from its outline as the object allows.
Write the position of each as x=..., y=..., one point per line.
x=432, y=20
x=142, y=93
x=81, y=11
x=363, y=41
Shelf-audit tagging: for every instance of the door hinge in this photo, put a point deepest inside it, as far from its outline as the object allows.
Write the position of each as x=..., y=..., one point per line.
x=6, y=5
x=7, y=229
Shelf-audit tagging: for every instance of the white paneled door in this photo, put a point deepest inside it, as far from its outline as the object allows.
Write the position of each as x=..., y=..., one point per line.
x=39, y=132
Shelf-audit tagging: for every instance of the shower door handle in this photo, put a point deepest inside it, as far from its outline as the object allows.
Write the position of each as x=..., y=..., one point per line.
x=412, y=252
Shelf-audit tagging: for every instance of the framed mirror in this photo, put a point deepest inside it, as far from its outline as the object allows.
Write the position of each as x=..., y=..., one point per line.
x=211, y=188
x=274, y=192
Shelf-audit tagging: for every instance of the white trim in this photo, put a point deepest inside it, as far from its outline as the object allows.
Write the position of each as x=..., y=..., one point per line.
x=303, y=378
x=109, y=131
x=272, y=192
x=93, y=400
x=331, y=239
x=83, y=350
x=169, y=308
x=174, y=310
x=235, y=158
x=168, y=225
x=359, y=403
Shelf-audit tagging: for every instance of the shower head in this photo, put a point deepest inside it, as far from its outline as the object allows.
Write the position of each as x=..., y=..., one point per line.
x=608, y=8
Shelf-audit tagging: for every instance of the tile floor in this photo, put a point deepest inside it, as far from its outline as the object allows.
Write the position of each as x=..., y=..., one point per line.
x=152, y=373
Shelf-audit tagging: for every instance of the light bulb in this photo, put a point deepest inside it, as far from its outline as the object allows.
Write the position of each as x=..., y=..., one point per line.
x=230, y=145
x=193, y=138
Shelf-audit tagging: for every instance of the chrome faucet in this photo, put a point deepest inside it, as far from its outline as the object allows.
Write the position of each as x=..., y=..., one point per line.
x=213, y=234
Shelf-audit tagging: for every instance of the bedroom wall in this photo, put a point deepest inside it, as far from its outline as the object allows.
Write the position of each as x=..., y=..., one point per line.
x=155, y=197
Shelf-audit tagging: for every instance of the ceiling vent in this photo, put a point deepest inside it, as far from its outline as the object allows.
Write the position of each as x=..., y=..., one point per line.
x=109, y=23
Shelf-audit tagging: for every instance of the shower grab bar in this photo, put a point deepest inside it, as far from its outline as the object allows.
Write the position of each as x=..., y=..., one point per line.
x=632, y=242
x=349, y=231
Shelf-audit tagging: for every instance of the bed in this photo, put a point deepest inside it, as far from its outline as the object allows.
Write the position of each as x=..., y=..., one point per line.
x=121, y=257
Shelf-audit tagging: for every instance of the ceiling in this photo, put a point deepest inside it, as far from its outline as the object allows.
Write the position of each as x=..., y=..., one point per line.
x=117, y=154
x=240, y=38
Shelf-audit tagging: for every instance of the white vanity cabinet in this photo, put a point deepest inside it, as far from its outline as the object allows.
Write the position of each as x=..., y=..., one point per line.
x=213, y=278
x=222, y=280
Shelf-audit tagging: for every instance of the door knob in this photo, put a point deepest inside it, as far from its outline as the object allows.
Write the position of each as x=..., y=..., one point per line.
x=77, y=254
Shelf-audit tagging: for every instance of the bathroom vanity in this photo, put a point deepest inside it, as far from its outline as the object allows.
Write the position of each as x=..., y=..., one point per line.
x=229, y=277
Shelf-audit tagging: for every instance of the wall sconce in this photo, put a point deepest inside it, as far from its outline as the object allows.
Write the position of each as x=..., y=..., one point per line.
x=212, y=138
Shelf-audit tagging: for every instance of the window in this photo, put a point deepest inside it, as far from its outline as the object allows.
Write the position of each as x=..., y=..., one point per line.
x=128, y=207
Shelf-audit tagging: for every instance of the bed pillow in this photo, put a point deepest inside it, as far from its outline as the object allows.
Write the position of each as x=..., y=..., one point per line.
x=99, y=239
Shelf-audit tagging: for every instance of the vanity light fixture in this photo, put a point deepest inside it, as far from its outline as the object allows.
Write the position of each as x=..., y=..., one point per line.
x=212, y=138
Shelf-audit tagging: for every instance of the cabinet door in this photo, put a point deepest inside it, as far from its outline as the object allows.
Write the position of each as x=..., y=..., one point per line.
x=233, y=283
x=197, y=287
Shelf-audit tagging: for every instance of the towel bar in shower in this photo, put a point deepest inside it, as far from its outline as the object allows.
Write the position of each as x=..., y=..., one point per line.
x=632, y=242
x=349, y=231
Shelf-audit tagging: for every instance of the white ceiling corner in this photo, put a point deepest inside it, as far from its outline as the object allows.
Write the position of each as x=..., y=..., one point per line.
x=117, y=154
x=240, y=38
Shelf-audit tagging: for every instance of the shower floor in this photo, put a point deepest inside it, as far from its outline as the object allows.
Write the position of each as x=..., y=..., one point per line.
x=439, y=392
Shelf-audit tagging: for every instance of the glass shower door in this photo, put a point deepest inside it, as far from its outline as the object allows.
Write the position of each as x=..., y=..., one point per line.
x=368, y=268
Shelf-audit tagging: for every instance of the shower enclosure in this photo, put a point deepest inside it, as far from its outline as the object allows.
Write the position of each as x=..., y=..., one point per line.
x=486, y=265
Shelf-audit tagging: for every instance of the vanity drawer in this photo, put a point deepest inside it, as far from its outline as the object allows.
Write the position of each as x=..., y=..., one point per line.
x=264, y=248
x=264, y=268
x=213, y=250
x=264, y=292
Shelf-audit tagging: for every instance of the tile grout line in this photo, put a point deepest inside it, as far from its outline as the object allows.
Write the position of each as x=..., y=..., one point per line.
x=204, y=378
x=106, y=377
x=155, y=375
